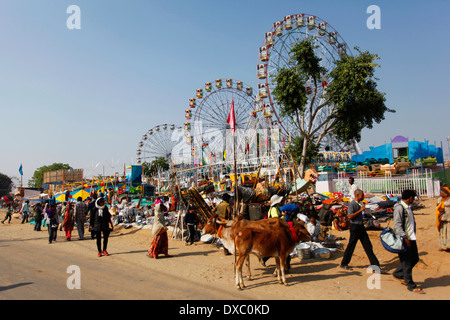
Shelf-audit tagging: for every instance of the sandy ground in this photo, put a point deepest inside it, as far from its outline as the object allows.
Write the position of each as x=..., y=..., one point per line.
x=33, y=269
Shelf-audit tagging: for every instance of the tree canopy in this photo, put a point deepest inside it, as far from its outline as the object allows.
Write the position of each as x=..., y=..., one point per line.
x=6, y=185
x=342, y=108
x=159, y=164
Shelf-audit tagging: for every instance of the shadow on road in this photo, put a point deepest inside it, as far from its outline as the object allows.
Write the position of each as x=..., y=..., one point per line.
x=15, y=286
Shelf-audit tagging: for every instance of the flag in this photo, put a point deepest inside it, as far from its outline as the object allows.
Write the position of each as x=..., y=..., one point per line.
x=231, y=119
x=20, y=170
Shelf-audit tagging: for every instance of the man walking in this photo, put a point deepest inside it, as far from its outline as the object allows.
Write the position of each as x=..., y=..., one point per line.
x=358, y=232
x=25, y=211
x=81, y=209
x=405, y=227
x=191, y=220
x=38, y=215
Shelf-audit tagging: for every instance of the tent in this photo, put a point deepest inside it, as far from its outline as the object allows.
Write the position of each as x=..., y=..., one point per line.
x=61, y=197
x=81, y=193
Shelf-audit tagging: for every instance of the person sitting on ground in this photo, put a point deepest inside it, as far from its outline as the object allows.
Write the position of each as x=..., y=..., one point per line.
x=313, y=227
x=223, y=209
x=290, y=211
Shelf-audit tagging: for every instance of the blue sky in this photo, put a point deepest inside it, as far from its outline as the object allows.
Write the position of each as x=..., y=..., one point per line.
x=87, y=96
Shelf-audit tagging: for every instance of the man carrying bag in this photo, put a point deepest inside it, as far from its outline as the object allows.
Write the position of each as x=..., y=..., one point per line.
x=405, y=227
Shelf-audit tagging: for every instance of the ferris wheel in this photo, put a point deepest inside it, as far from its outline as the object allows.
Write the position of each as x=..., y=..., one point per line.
x=160, y=141
x=274, y=54
x=206, y=125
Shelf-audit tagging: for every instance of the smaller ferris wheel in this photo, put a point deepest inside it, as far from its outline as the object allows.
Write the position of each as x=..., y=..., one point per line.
x=159, y=142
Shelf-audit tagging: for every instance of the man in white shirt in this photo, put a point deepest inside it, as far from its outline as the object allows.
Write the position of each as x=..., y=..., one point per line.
x=405, y=227
x=353, y=188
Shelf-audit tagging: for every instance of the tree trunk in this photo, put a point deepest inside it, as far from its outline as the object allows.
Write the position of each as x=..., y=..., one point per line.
x=302, y=165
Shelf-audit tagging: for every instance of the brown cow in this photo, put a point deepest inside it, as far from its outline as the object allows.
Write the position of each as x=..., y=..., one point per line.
x=277, y=236
x=226, y=230
x=276, y=239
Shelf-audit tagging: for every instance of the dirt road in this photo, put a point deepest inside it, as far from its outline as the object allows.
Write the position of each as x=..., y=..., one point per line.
x=33, y=269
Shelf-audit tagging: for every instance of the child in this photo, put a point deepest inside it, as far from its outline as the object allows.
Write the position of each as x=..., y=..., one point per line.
x=9, y=212
x=190, y=219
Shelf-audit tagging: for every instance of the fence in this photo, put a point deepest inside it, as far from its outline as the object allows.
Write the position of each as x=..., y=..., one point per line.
x=424, y=185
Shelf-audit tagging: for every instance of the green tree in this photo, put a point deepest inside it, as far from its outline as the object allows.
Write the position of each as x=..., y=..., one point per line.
x=38, y=175
x=6, y=185
x=159, y=164
x=348, y=104
x=296, y=150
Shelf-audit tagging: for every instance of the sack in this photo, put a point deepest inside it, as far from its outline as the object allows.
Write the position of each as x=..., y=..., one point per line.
x=391, y=242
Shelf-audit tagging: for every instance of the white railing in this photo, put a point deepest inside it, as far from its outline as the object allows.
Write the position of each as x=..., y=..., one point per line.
x=424, y=185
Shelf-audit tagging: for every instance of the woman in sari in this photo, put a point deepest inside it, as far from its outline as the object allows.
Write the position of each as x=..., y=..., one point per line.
x=443, y=218
x=68, y=221
x=160, y=243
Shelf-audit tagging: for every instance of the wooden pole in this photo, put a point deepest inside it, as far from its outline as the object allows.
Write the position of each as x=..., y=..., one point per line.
x=278, y=169
x=236, y=178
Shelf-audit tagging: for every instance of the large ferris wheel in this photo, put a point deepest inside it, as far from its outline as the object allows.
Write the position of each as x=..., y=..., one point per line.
x=274, y=55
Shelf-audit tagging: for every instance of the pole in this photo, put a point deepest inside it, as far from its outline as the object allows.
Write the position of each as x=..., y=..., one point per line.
x=236, y=179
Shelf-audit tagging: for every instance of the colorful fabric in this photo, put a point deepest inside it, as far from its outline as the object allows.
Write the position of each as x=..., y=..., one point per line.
x=445, y=189
x=443, y=222
x=68, y=222
x=440, y=210
x=160, y=245
x=294, y=234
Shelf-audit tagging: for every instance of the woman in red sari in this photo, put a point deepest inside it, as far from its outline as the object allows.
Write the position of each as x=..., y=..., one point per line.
x=68, y=222
x=160, y=243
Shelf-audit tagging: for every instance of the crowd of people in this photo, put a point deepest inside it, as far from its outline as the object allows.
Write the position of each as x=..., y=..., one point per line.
x=404, y=227
x=100, y=216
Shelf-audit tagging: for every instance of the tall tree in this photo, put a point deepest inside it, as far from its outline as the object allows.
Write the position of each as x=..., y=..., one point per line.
x=38, y=175
x=341, y=108
x=6, y=185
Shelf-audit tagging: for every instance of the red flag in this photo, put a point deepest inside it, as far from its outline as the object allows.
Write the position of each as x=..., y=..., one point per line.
x=231, y=119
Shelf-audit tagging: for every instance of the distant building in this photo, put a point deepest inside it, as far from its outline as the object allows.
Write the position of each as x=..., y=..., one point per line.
x=57, y=178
